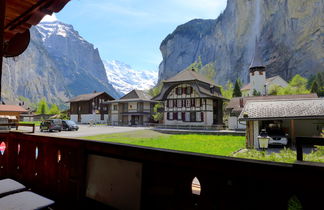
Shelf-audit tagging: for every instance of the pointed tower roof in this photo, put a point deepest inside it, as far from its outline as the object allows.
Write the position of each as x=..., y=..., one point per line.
x=257, y=61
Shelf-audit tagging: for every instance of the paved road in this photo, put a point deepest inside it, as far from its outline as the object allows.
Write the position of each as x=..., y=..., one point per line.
x=86, y=130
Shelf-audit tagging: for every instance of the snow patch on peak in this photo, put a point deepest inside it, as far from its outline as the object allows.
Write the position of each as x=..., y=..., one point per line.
x=49, y=18
x=124, y=78
x=50, y=28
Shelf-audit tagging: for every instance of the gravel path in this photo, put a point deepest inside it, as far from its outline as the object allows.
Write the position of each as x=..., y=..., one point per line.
x=86, y=130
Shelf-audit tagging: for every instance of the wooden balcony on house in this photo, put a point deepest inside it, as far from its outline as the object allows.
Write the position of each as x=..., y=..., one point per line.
x=81, y=174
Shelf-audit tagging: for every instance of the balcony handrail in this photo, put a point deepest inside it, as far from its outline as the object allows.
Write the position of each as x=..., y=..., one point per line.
x=20, y=124
x=307, y=141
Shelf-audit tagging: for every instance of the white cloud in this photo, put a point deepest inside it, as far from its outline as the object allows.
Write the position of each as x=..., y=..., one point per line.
x=49, y=18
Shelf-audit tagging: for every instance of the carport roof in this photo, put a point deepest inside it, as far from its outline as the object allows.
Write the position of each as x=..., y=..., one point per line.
x=283, y=109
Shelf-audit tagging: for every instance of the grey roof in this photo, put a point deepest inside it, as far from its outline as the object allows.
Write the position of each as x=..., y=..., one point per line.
x=136, y=94
x=86, y=97
x=268, y=80
x=133, y=96
x=234, y=103
x=189, y=75
x=284, y=109
x=256, y=60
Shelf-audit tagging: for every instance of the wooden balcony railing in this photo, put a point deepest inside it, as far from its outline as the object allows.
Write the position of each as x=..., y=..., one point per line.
x=75, y=173
x=307, y=141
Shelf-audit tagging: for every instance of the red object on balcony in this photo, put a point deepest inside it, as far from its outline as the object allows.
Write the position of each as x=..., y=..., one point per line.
x=2, y=148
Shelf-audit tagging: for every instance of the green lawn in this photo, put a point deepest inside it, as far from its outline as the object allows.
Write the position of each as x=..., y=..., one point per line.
x=208, y=144
x=37, y=123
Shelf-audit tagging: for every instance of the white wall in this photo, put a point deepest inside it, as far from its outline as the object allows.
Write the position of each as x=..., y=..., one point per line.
x=257, y=81
x=234, y=124
x=86, y=118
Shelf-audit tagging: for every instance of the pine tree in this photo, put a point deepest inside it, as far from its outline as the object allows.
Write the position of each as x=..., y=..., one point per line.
x=42, y=107
x=237, y=89
x=54, y=109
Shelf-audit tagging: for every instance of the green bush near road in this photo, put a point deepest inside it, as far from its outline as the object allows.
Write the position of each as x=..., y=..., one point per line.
x=285, y=155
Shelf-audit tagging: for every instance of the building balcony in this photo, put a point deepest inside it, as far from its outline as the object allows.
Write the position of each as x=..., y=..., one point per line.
x=81, y=174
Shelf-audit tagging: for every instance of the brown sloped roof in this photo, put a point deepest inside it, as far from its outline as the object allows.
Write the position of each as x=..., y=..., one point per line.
x=284, y=109
x=234, y=103
x=85, y=97
x=22, y=14
x=189, y=75
x=12, y=108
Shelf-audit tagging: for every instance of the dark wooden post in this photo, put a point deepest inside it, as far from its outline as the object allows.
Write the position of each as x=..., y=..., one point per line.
x=2, y=22
x=299, y=149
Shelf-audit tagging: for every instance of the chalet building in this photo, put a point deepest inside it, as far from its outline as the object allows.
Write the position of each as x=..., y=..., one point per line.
x=191, y=99
x=135, y=108
x=11, y=112
x=88, y=108
x=258, y=81
x=292, y=117
x=236, y=105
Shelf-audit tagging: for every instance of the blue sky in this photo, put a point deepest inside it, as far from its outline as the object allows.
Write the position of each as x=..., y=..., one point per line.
x=131, y=30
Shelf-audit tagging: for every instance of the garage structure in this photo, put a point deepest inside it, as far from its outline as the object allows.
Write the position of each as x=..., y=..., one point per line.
x=293, y=117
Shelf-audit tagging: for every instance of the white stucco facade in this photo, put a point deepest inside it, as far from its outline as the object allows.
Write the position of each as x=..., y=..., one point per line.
x=234, y=124
x=188, y=109
x=87, y=118
x=258, y=82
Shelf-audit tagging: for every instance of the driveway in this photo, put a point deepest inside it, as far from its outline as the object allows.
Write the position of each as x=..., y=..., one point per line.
x=86, y=130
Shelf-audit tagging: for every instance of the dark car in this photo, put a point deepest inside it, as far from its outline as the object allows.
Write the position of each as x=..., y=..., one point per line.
x=51, y=125
x=69, y=125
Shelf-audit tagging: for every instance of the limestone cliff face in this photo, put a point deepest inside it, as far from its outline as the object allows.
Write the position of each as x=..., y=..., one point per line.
x=58, y=64
x=290, y=34
x=33, y=75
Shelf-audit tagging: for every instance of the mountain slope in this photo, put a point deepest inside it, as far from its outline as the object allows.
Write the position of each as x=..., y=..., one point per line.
x=289, y=33
x=124, y=78
x=58, y=64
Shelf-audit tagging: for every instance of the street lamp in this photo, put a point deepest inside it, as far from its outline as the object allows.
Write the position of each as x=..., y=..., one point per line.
x=263, y=139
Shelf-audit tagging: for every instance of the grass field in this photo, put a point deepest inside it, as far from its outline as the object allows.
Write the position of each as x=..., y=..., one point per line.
x=208, y=144
x=37, y=123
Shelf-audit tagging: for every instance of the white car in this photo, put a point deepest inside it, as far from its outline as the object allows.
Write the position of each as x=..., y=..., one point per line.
x=278, y=140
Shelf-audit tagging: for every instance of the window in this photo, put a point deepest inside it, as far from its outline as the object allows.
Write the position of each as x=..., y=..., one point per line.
x=188, y=90
x=115, y=107
x=170, y=116
x=188, y=103
x=179, y=116
x=187, y=119
x=192, y=116
x=170, y=103
x=193, y=102
x=179, y=91
x=179, y=103
x=198, y=116
x=198, y=102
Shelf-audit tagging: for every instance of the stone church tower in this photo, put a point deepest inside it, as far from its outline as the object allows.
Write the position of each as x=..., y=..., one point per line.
x=257, y=73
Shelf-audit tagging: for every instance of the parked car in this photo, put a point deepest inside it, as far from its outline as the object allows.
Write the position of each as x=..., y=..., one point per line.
x=69, y=125
x=277, y=137
x=51, y=125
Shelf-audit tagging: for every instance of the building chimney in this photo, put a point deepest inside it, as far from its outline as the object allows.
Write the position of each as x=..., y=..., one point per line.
x=241, y=102
x=94, y=91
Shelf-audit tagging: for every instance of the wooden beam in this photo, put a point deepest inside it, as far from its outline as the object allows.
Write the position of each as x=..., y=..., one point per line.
x=2, y=22
x=292, y=132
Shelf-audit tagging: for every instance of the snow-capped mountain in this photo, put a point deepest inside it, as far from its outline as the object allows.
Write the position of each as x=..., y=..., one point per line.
x=124, y=79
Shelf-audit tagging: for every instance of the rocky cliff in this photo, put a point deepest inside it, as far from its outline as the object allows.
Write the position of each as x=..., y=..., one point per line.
x=290, y=35
x=58, y=64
